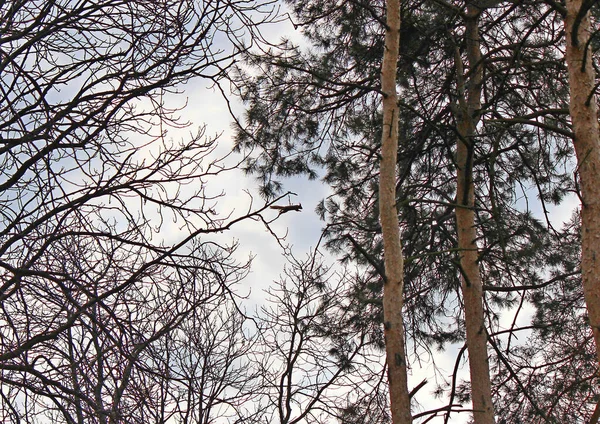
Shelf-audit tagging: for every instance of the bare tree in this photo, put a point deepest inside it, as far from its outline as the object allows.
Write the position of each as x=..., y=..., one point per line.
x=105, y=253
x=317, y=363
x=206, y=368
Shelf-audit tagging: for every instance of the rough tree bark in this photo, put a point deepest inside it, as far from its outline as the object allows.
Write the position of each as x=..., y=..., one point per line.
x=394, y=262
x=584, y=115
x=467, y=118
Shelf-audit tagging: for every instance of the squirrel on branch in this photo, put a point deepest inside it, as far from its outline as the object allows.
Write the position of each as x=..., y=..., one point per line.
x=284, y=209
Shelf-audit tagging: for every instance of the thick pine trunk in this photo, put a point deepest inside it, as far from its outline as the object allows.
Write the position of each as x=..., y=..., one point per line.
x=394, y=265
x=584, y=115
x=467, y=119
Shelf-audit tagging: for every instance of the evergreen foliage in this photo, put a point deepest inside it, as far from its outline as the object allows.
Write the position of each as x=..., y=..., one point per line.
x=314, y=110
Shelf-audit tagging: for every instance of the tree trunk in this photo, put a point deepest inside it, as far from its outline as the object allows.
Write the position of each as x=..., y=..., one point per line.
x=584, y=114
x=394, y=263
x=467, y=119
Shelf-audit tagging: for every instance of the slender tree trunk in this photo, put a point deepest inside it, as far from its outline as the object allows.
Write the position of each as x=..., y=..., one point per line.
x=584, y=114
x=467, y=119
x=393, y=289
